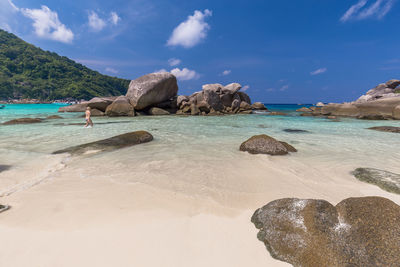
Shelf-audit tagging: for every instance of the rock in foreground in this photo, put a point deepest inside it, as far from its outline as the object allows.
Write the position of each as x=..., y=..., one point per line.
x=264, y=144
x=110, y=144
x=23, y=121
x=355, y=232
x=386, y=180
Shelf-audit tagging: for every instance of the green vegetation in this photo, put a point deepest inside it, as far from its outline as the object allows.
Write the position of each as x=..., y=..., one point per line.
x=27, y=71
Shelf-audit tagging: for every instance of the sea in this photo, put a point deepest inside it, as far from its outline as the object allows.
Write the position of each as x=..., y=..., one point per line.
x=201, y=152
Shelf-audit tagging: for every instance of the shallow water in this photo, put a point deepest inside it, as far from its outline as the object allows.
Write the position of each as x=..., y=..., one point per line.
x=201, y=153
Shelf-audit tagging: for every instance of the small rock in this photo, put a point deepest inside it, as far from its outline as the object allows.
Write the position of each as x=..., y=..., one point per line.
x=304, y=109
x=295, y=131
x=264, y=144
x=4, y=208
x=4, y=167
x=74, y=108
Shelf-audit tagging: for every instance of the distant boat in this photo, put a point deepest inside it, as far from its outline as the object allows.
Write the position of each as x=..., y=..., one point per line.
x=2, y=106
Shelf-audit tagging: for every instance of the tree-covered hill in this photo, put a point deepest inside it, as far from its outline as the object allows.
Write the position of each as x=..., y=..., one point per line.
x=27, y=71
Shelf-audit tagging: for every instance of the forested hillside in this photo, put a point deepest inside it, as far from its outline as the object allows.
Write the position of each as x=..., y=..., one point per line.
x=27, y=71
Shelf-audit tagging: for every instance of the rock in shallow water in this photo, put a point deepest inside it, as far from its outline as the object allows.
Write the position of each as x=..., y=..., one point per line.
x=23, y=121
x=264, y=144
x=4, y=167
x=386, y=180
x=110, y=144
x=295, y=131
x=355, y=232
x=390, y=129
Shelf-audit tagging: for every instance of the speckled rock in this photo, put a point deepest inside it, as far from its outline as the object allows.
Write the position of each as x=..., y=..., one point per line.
x=109, y=144
x=386, y=180
x=264, y=144
x=308, y=232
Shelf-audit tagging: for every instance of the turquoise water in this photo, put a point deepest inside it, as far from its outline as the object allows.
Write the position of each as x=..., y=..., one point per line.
x=197, y=150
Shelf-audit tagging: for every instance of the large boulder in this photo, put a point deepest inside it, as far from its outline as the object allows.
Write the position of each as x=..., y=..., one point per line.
x=23, y=121
x=383, y=90
x=152, y=89
x=81, y=107
x=244, y=97
x=109, y=144
x=182, y=100
x=386, y=180
x=120, y=107
x=231, y=89
x=264, y=144
x=101, y=103
x=308, y=232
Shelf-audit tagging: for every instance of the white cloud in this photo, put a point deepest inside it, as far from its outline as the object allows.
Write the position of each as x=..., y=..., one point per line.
x=114, y=18
x=111, y=70
x=318, y=71
x=174, y=62
x=13, y=6
x=360, y=10
x=226, y=72
x=95, y=22
x=185, y=74
x=192, y=31
x=47, y=25
x=161, y=71
x=284, y=88
x=245, y=88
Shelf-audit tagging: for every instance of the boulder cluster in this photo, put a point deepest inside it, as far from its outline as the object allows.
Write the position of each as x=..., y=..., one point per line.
x=157, y=94
x=379, y=103
x=308, y=232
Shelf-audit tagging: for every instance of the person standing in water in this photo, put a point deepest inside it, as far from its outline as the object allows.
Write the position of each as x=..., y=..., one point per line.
x=89, y=122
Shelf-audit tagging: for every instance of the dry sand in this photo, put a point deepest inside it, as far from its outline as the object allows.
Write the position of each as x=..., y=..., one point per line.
x=77, y=219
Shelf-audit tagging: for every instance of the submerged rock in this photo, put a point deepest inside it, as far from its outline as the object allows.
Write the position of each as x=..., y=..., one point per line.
x=23, y=121
x=4, y=167
x=390, y=129
x=110, y=144
x=388, y=181
x=264, y=144
x=308, y=232
x=295, y=131
x=53, y=117
x=4, y=208
x=277, y=113
x=152, y=89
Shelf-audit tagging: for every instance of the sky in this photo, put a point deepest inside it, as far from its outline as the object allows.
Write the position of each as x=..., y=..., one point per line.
x=280, y=51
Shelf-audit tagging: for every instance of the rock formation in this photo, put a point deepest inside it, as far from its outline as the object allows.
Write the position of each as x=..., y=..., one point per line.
x=389, y=129
x=381, y=102
x=156, y=94
x=110, y=144
x=307, y=232
x=264, y=144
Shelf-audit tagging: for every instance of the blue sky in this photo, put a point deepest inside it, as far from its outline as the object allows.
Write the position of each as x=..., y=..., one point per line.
x=281, y=51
